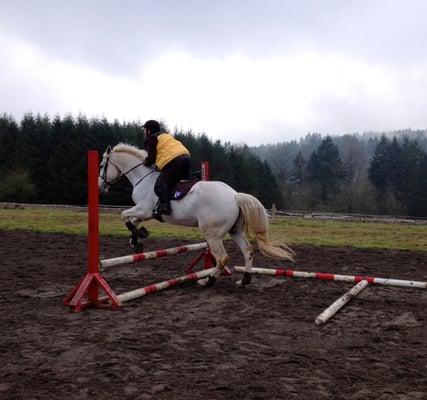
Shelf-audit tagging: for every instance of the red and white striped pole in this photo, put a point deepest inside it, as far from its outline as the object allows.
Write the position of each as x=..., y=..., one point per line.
x=132, y=258
x=156, y=287
x=335, y=277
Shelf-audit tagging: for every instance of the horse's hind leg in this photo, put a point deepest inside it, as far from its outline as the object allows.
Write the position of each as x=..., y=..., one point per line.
x=247, y=249
x=217, y=249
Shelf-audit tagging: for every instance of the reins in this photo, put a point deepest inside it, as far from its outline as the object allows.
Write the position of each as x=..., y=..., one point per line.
x=104, y=173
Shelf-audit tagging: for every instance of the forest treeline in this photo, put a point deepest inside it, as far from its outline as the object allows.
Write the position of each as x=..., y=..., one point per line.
x=359, y=173
x=43, y=160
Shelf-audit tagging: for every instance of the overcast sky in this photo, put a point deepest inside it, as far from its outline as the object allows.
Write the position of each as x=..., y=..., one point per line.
x=242, y=71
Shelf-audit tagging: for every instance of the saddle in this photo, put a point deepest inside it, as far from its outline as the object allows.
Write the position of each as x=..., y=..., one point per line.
x=180, y=189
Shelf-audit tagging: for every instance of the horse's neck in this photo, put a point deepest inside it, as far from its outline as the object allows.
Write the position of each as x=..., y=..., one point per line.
x=126, y=162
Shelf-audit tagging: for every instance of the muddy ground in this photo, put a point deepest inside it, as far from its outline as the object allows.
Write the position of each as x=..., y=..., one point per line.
x=218, y=343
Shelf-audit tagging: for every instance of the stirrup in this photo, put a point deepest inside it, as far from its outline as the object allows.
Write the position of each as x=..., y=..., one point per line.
x=157, y=216
x=164, y=208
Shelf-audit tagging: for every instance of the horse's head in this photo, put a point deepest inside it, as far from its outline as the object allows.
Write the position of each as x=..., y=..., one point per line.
x=122, y=160
x=109, y=173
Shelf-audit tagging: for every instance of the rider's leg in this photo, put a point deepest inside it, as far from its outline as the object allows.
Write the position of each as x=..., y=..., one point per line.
x=161, y=188
x=171, y=174
x=184, y=168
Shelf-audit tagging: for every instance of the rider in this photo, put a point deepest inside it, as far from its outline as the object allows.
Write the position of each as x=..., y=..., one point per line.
x=171, y=157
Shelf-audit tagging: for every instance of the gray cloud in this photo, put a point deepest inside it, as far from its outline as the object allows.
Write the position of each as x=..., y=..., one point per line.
x=119, y=39
x=119, y=36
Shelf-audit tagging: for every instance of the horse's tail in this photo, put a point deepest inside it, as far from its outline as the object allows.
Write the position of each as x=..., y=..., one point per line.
x=256, y=219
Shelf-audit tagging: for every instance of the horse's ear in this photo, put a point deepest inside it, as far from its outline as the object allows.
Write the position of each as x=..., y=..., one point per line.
x=108, y=151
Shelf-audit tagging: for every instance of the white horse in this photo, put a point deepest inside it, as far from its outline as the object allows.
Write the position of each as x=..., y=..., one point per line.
x=214, y=207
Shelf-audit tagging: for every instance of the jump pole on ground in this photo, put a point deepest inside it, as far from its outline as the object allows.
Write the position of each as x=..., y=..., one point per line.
x=326, y=315
x=156, y=287
x=335, y=277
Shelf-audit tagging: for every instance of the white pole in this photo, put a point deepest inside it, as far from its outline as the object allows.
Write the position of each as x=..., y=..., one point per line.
x=338, y=304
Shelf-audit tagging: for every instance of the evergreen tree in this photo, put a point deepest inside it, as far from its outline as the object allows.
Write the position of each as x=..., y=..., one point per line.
x=44, y=150
x=379, y=172
x=16, y=186
x=60, y=162
x=313, y=179
x=218, y=161
x=326, y=169
x=44, y=160
x=406, y=171
x=268, y=188
x=35, y=151
x=393, y=164
x=417, y=205
x=299, y=175
x=28, y=142
x=9, y=143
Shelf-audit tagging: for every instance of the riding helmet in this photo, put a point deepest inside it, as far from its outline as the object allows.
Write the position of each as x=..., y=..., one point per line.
x=152, y=125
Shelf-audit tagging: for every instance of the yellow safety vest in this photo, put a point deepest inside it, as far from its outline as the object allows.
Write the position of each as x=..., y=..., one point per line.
x=167, y=149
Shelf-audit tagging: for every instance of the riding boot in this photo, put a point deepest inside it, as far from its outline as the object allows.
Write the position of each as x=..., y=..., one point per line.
x=164, y=206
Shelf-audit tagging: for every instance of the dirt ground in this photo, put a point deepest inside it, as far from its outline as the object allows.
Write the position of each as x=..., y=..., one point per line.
x=218, y=343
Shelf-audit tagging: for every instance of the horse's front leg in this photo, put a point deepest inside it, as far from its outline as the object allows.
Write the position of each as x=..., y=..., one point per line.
x=132, y=217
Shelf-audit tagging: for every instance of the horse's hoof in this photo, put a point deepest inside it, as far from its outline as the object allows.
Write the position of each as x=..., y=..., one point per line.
x=246, y=280
x=207, y=282
x=142, y=233
x=138, y=247
x=211, y=281
x=157, y=216
x=202, y=282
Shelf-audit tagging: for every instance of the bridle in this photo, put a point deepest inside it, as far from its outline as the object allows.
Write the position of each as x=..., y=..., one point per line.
x=103, y=174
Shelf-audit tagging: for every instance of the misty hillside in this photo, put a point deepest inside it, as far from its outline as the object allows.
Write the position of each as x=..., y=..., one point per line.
x=368, y=173
x=355, y=150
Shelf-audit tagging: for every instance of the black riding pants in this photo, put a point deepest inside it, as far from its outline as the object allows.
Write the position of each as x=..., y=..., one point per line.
x=172, y=173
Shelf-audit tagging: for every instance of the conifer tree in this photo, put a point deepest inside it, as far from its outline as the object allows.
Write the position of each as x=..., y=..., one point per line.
x=417, y=205
x=406, y=172
x=9, y=143
x=326, y=169
x=299, y=175
x=379, y=172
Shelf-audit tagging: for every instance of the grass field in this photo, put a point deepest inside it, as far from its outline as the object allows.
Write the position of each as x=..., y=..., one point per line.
x=284, y=229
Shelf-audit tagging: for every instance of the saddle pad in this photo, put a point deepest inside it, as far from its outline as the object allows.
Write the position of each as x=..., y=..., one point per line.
x=182, y=188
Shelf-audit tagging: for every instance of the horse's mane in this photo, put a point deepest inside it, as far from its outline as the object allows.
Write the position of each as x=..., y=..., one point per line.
x=128, y=148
